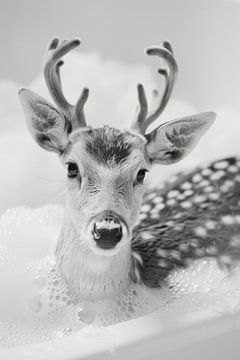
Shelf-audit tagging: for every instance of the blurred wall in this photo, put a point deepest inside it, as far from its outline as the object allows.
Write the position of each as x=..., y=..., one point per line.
x=205, y=35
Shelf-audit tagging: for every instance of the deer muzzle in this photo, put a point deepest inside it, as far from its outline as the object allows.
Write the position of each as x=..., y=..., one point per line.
x=108, y=229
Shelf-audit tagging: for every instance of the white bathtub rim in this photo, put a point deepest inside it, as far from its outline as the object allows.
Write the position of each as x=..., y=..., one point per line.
x=140, y=338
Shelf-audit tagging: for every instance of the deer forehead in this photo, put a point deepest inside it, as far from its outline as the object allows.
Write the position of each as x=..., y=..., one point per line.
x=107, y=147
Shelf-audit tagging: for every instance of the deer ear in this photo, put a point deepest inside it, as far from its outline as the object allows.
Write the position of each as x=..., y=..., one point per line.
x=172, y=141
x=45, y=123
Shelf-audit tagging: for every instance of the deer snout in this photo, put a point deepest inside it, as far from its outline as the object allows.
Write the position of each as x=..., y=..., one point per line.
x=107, y=229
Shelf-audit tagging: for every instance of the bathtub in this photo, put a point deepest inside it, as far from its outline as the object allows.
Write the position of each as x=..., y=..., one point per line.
x=143, y=338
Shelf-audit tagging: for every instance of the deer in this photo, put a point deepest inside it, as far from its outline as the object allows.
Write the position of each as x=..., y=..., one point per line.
x=115, y=230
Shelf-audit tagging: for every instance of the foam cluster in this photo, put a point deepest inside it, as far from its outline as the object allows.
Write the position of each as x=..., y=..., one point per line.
x=37, y=306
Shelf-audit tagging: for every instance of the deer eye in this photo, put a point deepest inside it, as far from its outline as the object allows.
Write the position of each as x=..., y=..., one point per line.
x=72, y=170
x=140, y=176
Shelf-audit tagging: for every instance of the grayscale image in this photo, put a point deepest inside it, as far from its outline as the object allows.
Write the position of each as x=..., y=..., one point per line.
x=120, y=180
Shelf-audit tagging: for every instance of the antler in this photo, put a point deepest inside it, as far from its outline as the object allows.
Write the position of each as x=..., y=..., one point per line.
x=74, y=114
x=144, y=120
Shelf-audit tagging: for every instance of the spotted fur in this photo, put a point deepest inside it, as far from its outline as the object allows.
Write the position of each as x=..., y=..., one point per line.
x=195, y=216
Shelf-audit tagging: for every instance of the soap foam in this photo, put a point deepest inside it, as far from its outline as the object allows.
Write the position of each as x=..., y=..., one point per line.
x=35, y=304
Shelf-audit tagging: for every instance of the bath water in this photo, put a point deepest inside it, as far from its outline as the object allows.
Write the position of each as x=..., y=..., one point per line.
x=36, y=306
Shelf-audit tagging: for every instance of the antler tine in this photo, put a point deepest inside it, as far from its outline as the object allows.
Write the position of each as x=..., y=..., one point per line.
x=143, y=109
x=168, y=46
x=53, y=45
x=52, y=66
x=170, y=73
x=79, y=117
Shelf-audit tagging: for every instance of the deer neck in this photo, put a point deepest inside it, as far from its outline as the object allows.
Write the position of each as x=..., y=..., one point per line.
x=91, y=276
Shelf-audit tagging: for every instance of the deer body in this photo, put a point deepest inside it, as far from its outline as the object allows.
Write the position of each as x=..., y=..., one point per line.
x=101, y=249
x=195, y=216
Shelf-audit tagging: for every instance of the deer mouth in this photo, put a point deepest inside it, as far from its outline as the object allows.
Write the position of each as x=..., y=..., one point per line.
x=108, y=230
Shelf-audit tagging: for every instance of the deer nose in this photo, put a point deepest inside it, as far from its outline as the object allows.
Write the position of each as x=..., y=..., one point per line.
x=107, y=231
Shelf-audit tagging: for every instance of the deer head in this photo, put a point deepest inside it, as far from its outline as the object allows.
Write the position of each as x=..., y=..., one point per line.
x=105, y=167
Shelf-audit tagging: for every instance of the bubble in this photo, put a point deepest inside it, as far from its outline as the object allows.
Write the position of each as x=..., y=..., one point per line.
x=86, y=315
